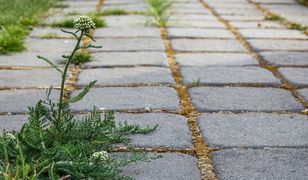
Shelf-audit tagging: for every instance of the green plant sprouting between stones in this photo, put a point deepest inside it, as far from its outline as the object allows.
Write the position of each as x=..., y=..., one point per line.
x=158, y=10
x=56, y=144
x=68, y=23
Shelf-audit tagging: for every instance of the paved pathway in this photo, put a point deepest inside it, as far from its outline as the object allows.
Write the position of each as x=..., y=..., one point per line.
x=227, y=88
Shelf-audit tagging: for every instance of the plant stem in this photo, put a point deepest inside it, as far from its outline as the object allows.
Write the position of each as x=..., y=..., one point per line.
x=60, y=108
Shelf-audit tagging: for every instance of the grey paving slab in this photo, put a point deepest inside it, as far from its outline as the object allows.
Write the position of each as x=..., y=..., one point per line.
x=276, y=1
x=115, y=2
x=236, y=164
x=80, y=10
x=202, y=17
x=195, y=23
x=120, y=76
x=228, y=75
x=58, y=17
x=272, y=33
x=215, y=59
x=256, y=24
x=130, y=44
x=254, y=130
x=277, y=45
x=295, y=76
x=19, y=100
x=285, y=58
x=103, y=59
x=243, y=17
x=171, y=166
x=41, y=32
x=231, y=11
x=303, y=93
x=128, y=7
x=50, y=45
x=127, y=32
x=28, y=59
x=199, y=33
x=172, y=130
x=12, y=122
x=214, y=45
x=126, y=21
x=81, y=3
x=131, y=98
x=243, y=99
x=29, y=78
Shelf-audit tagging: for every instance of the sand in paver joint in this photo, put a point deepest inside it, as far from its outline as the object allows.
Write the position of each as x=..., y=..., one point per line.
x=218, y=77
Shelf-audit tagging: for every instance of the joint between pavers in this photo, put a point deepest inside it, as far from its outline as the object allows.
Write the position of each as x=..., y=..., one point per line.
x=78, y=87
x=155, y=150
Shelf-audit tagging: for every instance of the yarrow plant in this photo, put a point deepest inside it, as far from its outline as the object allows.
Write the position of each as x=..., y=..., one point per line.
x=56, y=144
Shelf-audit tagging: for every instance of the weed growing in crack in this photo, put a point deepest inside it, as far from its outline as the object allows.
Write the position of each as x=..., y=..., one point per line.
x=158, y=10
x=116, y=11
x=68, y=23
x=79, y=57
x=55, y=144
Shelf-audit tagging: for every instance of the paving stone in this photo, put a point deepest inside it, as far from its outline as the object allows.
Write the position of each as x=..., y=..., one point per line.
x=256, y=24
x=40, y=32
x=243, y=17
x=215, y=59
x=81, y=10
x=57, y=17
x=215, y=45
x=195, y=23
x=120, y=76
x=172, y=130
x=12, y=122
x=276, y=1
x=303, y=93
x=238, y=12
x=131, y=98
x=285, y=58
x=130, y=44
x=254, y=130
x=199, y=33
x=81, y=3
x=128, y=7
x=172, y=166
x=228, y=75
x=203, y=17
x=126, y=21
x=19, y=100
x=278, y=45
x=233, y=164
x=104, y=59
x=127, y=32
x=296, y=76
x=27, y=59
x=272, y=33
x=115, y=2
x=243, y=99
x=50, y=45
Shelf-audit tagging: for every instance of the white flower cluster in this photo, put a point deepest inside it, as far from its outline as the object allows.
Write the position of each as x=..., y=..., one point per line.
x=102, y=155
x=84, y=23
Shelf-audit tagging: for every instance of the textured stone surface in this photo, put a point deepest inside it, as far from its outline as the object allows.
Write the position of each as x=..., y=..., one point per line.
x=285, y=58
x=296, y=76
x=171, y=166
x=195, y=24
x=272, y=33
x=50, y=45
x=254, y=130
x=40, y=32
x=215, y=59
x=129, y=7
x=243, y=99
x=104, y=59
x=304, y=93
x=236, y=164
x=114, y=98
x=256, y=24
x=135, y=75
x=127, y=32
x=243, y=18
x=222, y=75
x=267, y=44
x=130, y=44
x=29, y=78
x=126, y=21
x=199, y=33
x=172, y=130
x=12, y=122
x=19, y=100
x=202, y=17
x=215, y=45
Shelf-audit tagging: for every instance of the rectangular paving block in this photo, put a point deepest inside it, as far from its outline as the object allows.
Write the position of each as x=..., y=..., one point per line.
x=104, y=59
x=284, y=163
x=200, y=45
x=19, y=100
x=43, y=32
x=272, y=33
x=295, y=76
x=171, y=166
x=199, y=33
x=29, y=78
x=203, y=17
x=254, y=130
x=59, y=46
x=246, y=17
x=130, y=44
x=126, y=21
x=120, y=76
x=278, y=45
x=303, y=93
x=228, y=75
x=196, y=24
x=129, y=98
x=129, y=7
x=285, y=58
x=215, y=59
x=239, y=99
x=172, y=130
x=12, y=122
x=256, y=24
x=127, y=32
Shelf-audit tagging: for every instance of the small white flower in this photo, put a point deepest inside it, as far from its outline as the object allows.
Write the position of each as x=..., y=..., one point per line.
x=10, y=136
x=84, y=23
x=102, y=155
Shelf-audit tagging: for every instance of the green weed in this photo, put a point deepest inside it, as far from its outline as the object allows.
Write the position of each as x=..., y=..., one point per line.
x=159, y=11
x=109, y=12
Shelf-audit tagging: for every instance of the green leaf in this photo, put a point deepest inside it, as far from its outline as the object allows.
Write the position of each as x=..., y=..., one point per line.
x=83, y=93
x=52, y=64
